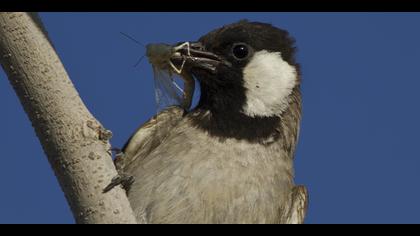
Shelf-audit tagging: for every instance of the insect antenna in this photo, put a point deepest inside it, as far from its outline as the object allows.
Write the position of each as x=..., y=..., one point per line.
x=134, y=40
x=138, y=62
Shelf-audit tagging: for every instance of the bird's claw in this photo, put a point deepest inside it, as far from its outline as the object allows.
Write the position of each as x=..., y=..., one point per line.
x=121, y=179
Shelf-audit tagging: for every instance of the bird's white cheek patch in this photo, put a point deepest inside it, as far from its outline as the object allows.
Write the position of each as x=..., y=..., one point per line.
x=268, y=80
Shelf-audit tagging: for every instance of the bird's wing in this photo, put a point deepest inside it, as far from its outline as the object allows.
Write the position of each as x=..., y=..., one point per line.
x=148, y=136
x=299, y=206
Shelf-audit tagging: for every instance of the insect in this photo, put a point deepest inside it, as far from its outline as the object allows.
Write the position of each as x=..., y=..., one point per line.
x=167, y=90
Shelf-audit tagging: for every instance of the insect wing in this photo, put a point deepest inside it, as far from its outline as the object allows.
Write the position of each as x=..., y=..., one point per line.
x=167, y=91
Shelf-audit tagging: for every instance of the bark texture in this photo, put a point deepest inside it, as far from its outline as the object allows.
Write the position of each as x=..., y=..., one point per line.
x=75, y=143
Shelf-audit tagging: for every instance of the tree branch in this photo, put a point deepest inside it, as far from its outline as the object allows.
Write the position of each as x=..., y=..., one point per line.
x=75, y=143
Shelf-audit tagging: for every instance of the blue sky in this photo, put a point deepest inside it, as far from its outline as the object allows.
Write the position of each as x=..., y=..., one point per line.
x=358, y=144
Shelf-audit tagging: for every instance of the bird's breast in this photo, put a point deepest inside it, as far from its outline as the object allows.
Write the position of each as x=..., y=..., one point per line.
x=195, y=178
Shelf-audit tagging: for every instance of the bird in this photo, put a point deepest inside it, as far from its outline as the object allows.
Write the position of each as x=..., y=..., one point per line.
x=229, y=159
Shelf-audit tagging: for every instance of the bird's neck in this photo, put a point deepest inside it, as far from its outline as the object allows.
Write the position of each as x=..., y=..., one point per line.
x=224, y=119
x=221, y=116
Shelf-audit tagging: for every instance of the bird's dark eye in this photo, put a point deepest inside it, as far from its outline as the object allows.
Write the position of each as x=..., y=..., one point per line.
x=240, y=51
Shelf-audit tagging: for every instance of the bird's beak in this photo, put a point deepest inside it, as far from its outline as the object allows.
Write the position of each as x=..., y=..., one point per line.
x=193, y=55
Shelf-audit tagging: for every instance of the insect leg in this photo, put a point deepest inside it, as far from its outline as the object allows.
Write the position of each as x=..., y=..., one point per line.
x=186, y=44
x=177, y=86
x=178, y=71
x=182, y=46
x=189, y=83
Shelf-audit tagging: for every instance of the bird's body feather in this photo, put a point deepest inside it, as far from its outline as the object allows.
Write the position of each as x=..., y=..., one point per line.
x=230, y=159
x=191, y=177
x=149, y=136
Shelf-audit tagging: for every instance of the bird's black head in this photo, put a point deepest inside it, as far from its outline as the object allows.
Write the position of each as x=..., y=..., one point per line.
x=248, y=77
